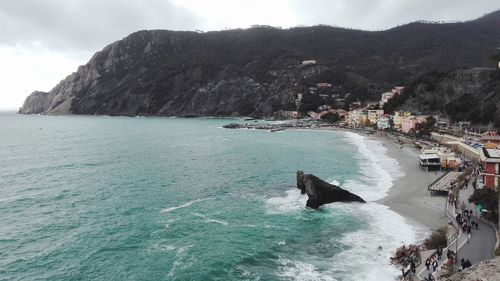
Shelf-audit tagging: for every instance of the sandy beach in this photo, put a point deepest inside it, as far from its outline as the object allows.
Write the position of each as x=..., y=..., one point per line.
x=409, y=195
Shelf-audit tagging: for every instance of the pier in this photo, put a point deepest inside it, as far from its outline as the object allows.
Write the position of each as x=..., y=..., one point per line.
x=443, y=183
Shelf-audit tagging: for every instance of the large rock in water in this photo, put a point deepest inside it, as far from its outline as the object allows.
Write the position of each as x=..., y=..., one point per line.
x=321, y=192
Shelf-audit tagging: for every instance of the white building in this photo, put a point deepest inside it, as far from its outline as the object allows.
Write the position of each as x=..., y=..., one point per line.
x=384, y=122
x=386, y=97
x=309, y=62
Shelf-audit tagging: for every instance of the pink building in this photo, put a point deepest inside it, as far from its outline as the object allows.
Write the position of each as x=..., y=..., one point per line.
x=409, y=123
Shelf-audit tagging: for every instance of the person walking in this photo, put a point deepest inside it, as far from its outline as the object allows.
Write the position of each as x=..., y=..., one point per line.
x=439, y=252
x=469, y=231
x=427, y=263
x=434, y=265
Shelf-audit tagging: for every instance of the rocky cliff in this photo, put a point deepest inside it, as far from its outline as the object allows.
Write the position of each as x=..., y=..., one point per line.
x=258, y=71
x=463, y=94
x=483, y=271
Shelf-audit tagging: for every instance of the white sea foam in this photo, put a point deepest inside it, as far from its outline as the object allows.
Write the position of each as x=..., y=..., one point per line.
x=292, y=202
x=180, y=261
x=386, y=229
x=301, y=271
x=378, y=170
x=183, y=205
x=206, y=219
x=361, y=260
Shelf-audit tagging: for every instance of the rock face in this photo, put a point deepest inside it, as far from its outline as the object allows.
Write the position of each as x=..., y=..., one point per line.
x=483, y=271
x=259, y=71
x=36, y=103
x=463, y=94
x=321, y=192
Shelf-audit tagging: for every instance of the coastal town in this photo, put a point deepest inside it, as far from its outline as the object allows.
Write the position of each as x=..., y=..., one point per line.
x=464, y=159
x=241, y=140
x=468, y=159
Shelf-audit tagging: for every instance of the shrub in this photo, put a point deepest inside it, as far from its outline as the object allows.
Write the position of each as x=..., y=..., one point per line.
x=488, y=198
x=438, y=238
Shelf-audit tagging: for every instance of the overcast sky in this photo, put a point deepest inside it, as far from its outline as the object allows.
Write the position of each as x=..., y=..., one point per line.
x=43, y=41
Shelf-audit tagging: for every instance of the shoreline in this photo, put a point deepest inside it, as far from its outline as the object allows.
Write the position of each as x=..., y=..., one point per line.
x=408, y=196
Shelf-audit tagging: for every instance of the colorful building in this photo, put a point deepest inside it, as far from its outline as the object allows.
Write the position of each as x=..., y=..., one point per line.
x=384, y=122
x=490, y=139
x=357, y=118
x=398, y=118
x=374, y=114
x=491, y=164
x=409, y=123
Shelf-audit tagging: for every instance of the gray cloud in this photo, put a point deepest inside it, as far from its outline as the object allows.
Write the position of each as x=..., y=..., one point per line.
x=383, y=14
x=90, y=24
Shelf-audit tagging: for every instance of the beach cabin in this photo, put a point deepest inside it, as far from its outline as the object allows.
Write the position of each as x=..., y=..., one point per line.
x=429, y=161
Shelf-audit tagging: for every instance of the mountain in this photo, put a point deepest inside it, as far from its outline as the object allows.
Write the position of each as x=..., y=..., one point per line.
x=259, y=71
x=462, y=94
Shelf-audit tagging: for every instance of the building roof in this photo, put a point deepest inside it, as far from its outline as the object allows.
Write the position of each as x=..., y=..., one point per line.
x=490, y=155
x=428, y=156
x=493, y=153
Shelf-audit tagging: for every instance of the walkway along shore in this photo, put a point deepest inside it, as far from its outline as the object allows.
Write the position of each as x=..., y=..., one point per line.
x=481, y=245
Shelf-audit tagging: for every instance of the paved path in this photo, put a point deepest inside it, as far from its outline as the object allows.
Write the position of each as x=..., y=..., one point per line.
x=482, y=241
x=479, y=248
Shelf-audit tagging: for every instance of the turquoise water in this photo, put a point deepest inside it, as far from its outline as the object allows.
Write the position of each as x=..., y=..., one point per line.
x=115, y=198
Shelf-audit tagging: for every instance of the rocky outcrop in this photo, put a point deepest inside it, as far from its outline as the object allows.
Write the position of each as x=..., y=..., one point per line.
x=483, y=271
x=321, y=192
x=36, y=103
x=233, y=73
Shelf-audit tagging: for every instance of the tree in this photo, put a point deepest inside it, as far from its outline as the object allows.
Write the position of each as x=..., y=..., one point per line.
x=428, y=126
x=488, y=198
x=330, y=117
x=496, y=59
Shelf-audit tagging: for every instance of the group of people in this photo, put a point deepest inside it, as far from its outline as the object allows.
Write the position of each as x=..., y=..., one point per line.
x=464, y=220
x=433, y=260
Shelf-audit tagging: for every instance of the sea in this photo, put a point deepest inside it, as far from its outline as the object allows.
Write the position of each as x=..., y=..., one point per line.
x=123, y=198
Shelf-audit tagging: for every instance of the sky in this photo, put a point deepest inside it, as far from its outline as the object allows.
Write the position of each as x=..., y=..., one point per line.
x=43, y=41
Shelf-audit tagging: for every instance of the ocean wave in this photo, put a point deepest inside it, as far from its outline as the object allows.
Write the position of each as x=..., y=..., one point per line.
x=292, y=202
x=184, y=205
x=379, y=170
x=386, y=229
x=301, y=271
